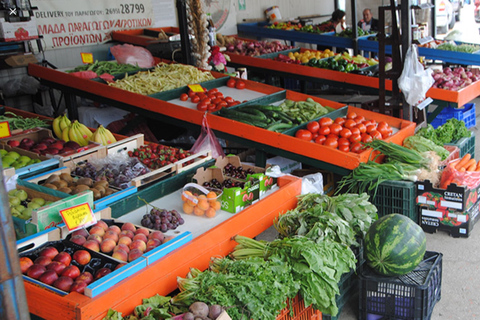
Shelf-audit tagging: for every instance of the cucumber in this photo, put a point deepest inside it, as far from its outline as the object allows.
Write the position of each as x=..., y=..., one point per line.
x=279, y=126
x=236, y=115
x=254, y=111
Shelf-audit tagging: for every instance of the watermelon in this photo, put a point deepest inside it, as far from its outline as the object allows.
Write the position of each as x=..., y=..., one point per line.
x=394, y=245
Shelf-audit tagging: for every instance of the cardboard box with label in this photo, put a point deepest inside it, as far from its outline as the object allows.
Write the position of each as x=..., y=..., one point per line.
x=18, y=31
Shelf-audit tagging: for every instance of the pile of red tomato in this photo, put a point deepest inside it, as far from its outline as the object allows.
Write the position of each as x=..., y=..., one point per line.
x=213, y=100
x=345, y=133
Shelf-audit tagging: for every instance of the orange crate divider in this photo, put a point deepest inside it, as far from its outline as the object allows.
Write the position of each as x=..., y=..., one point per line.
x=300, y=312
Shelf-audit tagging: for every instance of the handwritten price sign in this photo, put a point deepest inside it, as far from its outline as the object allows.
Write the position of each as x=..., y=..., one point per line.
x=5, y=129
x=80, y=216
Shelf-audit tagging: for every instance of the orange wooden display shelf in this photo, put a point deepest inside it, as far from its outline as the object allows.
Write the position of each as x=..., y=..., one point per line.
x=461, y=97
x=138, y=36
x=161, y=276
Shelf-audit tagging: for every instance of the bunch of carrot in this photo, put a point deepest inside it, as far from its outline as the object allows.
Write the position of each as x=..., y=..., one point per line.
x=464, y=164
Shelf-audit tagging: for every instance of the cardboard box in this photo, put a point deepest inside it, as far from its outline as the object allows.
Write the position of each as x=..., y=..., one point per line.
x=286, y=165
x=458, y=198
x=18, y=31
x=21, y=60
x=233, y=199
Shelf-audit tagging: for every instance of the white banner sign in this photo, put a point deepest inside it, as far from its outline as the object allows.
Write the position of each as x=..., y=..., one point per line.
x=69, y=23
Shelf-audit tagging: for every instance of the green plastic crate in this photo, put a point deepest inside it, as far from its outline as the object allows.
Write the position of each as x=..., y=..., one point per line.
x=466, y=145
x=396, y=197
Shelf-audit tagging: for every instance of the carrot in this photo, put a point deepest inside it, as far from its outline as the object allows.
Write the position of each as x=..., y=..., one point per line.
x=471, y=165
x=478, y=166
x=463, y=161
x=445, y=183
x=462, y=169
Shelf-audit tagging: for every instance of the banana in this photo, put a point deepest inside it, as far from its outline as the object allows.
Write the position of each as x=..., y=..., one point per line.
x=99, y=137
x=65, y=134
x=56, y=126
x=65, y=122
x=75, y=134
x=84, y=131
x=109, y=136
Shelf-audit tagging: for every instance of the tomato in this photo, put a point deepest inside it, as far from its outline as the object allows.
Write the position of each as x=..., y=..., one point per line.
x=346, y=133
x=383, y=131
x=351, y=115
x=332, y=136
x=211, y=107
x=329, y=142
x=202, y=106
x=231, y=83
x=376, y=135
x=362, y=127
x=349, y=124
x=356, y=137
x=228, y=99
x=213, y=90
x=191, y=93
x=320, y=139
x=233, y=103
x=355, y=130
x=195, y=99
x=325, y=130
x=303, y=134
x=344, y=148
x=343, y=142
x=383, y=124
x=201, y=95
x=371, y=127
x=313, y=126
x=222, y=104
x=366, y=138
x=356, y=147
x=216, y=100
x=212, y=96
x=340, y=121
x=240, y=85
x=371, y=121
x=219, y=95
x=359, y=119
x=325, y=121
x=183, y=97
x=206, y=100
x=335, y=128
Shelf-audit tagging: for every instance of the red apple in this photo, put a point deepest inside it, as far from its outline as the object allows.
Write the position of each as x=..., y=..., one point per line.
x=40, y=146
x=25, y=263
x=101, y=273
x=56, y=145
x=63, y=257
x=71, y=271
x=82, y=257
x=35, y=271
x=49, y=251
x=27, y=142
x=86, y=277
x=48, y=277
x=63, y=283
x=42, y=260
x=13, y=143
x=78, y=286
x=56, y=266
x=50, y=140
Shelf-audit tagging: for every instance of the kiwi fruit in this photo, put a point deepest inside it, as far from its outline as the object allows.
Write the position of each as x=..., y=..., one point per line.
x=60, y=183
x=66, y=177
x=85, y=181
x=100, y=189
x=80, y=188
x=108, y=192
x=103, y=183
x=52, y=178
x=96, y=194
x=65, y=189
x=51, y=186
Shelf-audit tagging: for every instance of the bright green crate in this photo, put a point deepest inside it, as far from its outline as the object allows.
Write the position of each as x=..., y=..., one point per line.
x=396, y=197
x=466, y=145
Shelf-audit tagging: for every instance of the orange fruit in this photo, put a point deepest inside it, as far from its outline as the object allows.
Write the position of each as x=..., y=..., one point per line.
x=210, y=213
x=203, y=204
x=198, y=212
x=215, y=204
x=186, y=192
x=188, y=209
x=212, y=195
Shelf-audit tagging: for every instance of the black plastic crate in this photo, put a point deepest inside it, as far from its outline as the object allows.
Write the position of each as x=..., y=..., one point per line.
x=466, y=145
x=396, y=197
x=408, y=297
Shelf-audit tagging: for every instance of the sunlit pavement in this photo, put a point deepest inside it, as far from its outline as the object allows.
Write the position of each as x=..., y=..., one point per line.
x=465, y=30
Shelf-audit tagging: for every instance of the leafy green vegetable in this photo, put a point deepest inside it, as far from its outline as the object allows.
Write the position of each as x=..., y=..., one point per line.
x=461, y=130
x=421, y=144
x=110, y=67
x=157, y=306
x=465, y=47
x=113, y=315
x=452, y=130
x=429, y=132
x=394, y=152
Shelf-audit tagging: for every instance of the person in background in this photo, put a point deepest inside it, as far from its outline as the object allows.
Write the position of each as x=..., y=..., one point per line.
x=368, y=23
x=338, y=20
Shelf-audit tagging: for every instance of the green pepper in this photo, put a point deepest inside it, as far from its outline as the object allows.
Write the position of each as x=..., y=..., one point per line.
x=350, y=67
x=340, y=68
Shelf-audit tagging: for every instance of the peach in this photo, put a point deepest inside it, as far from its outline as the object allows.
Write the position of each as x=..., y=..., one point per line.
x=78, y=286
x=142, y=230
x=114, y=228
x=138, y=244
x=102, y=272
x=42, y=260
x=157, y=235
x=125, y=240
x=107, y=245
x=63, y=257
x=129, y=226
x=25, y=263
x=95, y=237
x=80, y=232
x=110, y=234
x=63, y=283
x=48, y=277
x=92, y=245
x=102, y=224
x=49, y=251
x=86, y=277
x=82, y=257
x=56, y=266
x=71, y=271
x=134, y=254
x=168, y=238
x=122, y=246
x=140, y=236
x=153, y=243
x=126, y=233
x=35, y=271
x=120, y=265
x=120, y=255
x=78, y=239
x=97, y=230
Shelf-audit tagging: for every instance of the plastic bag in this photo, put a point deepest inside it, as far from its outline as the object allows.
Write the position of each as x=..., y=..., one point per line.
x=128, y=54
x=414, y=80
x=469, y=179
x=207, y=141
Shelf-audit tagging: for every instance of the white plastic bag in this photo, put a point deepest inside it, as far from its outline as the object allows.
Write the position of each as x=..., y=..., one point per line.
x=414, y=80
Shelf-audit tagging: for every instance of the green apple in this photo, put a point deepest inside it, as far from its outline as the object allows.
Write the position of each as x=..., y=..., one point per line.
x=18, y=164
x=24, y=159
x=19, y=208
x=21, y=194
x=13, y=201
x=3, y=152
x=39, y=201
x=12, y=192
x=15, y=212
x=7, y=161
x=13, y=154
x=26, y=214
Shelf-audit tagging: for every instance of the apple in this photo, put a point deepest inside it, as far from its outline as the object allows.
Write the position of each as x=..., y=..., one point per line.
x=48, y=277
x=63, y=283
x=13, y=143
x=134, y=254
x=86, y=277
x=107, y=245
x=40, y=146
x=97, y=230
x=63, y=257
x=50, y=140
x=42, y=260
x=49, y=251
x=72, y=144
x=25, y=263
x=35, y=271
x=138, y=244
x=78, y=286
x=56, y=266
x=71, y=271
x=92, y=245
x=102, y=272
x=82, y=257
x=121, y=255
x=27, y=142
x=140, y=236
x=129, y=226
x=115, y=228
x=78, y=239
x=56, y=145
x=50, y=150
x=102, y=224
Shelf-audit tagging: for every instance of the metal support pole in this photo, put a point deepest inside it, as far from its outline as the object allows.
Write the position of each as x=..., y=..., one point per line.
x=13, y=302
x=184, y=36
